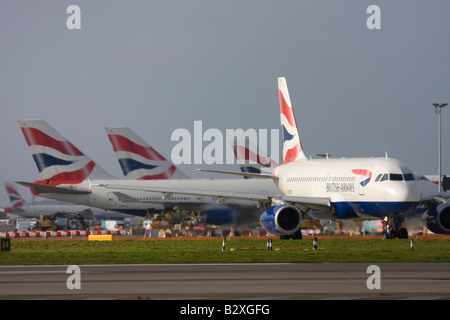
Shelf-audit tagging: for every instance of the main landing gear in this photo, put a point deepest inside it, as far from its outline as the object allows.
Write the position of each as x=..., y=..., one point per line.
x=295, y=236
x=393, y=228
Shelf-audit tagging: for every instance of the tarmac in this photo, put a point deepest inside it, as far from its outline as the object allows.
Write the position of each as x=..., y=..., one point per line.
x=340, y=281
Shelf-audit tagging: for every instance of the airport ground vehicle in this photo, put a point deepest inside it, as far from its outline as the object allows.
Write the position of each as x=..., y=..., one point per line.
x=59, y=221
x=112, y=225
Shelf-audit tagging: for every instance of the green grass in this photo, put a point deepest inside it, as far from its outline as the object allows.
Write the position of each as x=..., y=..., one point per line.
x=82, y=252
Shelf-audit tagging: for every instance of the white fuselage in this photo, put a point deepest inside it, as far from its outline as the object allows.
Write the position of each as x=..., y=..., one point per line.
x=35, y=211
x=360, y=187
x=363, y=188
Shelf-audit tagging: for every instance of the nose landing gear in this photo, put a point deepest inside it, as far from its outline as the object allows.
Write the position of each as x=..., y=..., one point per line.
x=393, y=228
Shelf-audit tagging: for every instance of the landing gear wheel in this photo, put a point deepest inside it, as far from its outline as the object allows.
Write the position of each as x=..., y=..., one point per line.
x=403, y=233
x=393, y=229
x=295, y=236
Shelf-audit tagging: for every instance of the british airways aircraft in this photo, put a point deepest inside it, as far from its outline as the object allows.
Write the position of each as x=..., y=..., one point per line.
x=336, y=189
x=69, y=175
x=21, y=208
x=138, y=160
x=356, y=188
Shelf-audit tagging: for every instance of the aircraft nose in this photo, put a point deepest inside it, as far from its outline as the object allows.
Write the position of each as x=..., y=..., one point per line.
x=409, y=191
x=405, y=191
x=408, y=195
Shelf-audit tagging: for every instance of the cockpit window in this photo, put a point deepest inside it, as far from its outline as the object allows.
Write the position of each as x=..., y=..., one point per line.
x=409, y=176
x=396, y=177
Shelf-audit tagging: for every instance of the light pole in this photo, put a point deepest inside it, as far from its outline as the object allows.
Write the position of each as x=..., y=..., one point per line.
x=438, y=107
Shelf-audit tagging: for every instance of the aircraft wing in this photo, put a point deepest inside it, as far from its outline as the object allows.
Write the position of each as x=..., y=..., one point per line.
x=305, y=203
x=41, y=188
x=169, y=191
x=245, y=174
x=438, y=197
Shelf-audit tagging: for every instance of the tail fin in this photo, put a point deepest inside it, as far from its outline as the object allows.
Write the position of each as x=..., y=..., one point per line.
x=58, y=160
x=137, y=159
x=14, y=197
x=250, y=159
x=292, y=147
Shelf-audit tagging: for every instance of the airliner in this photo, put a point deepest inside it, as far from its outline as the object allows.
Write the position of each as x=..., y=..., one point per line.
x=354, y=188
x=254, y=161
x=69, y=175
x=21, y=208
x=336, y=189
x=139, y=161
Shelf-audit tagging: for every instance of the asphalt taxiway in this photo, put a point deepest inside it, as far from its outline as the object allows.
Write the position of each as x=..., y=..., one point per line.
x=229, y=281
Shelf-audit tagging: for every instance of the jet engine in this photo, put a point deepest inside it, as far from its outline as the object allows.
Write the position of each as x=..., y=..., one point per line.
x=437, y=218
x=281, y=220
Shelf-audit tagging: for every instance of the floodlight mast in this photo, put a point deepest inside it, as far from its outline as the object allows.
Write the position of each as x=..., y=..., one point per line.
x=438, y=108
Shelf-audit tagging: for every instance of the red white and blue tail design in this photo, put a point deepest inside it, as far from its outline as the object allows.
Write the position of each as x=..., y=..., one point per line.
x=15, y=198
x=137, y=159
x=292, y=147
x=58, y=160
x=250, y=159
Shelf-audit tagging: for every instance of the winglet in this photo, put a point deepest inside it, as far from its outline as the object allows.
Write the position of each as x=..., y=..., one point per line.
x=292, y=147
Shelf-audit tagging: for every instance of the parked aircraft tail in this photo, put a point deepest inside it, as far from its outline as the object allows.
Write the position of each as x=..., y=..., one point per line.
x=292, y=147
x=58, y=160
x=15, y=198
x=251, y=159
x=138, y=160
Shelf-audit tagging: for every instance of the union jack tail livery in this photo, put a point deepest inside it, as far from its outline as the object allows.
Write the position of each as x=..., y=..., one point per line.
x=15, y=198
x=137, y=159
x=292, y=147
x=58, y=160
x=250, y=159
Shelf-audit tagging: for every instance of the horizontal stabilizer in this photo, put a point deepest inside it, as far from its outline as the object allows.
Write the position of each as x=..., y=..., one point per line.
x=40, y=188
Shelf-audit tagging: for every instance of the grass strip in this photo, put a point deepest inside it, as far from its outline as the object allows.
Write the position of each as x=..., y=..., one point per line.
x=83, y=252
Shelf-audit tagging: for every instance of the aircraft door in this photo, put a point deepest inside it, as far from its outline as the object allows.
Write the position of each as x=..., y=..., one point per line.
x=361, y=186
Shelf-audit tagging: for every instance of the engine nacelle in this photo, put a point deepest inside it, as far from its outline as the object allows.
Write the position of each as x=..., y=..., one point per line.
x=281, y=220
x=437, y=219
